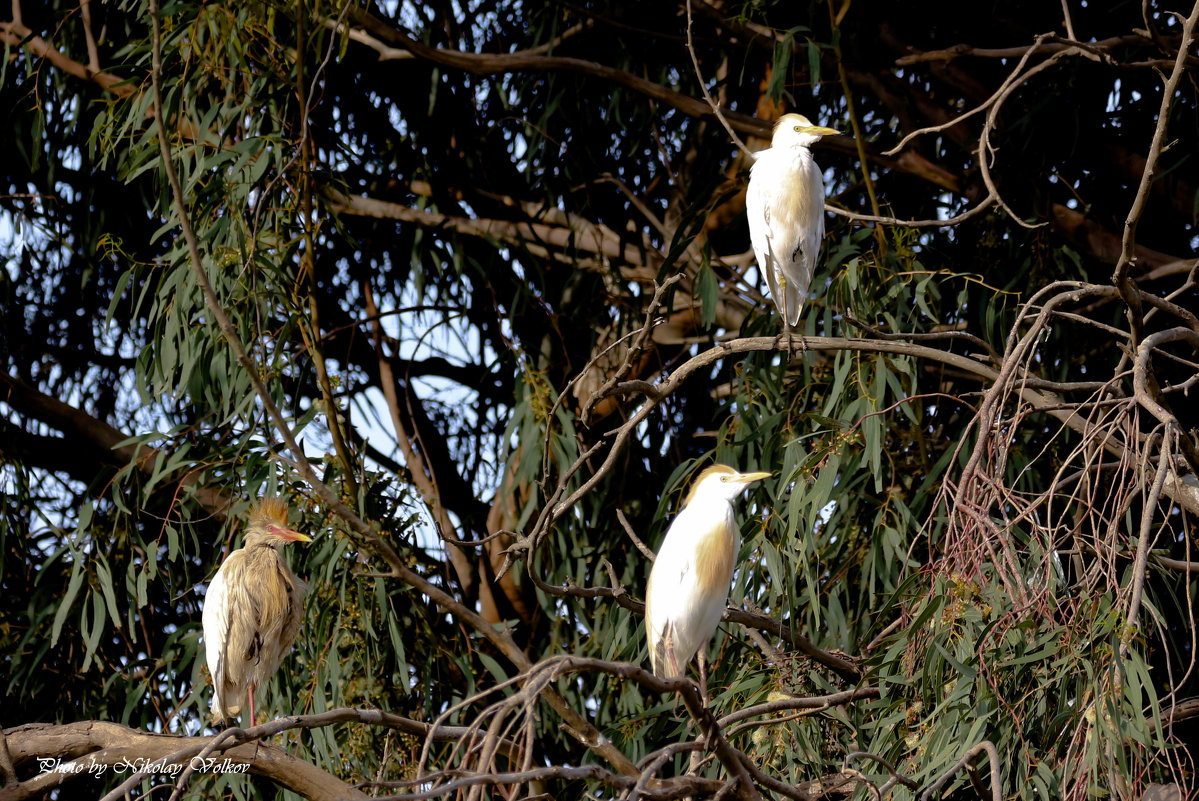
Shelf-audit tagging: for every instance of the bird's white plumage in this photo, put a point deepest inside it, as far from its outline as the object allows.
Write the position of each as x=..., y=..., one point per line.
x=785, y=207
x=679, y=607
x=689, y=583
x=216, y=632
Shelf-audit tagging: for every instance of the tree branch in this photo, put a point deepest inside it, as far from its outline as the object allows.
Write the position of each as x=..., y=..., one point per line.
x=102, y=744
x=87, y=436
x=1127, y=253
x=15, y=34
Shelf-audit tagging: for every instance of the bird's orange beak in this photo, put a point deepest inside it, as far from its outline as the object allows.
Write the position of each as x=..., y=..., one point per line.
x=290, y=534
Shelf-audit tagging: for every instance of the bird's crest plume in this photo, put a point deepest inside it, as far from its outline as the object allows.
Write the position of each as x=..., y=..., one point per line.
x=269, y=511
x=792, y=119
x=716, y=469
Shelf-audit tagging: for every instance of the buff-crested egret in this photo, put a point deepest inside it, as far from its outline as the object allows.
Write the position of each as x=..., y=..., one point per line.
x=689, y=583
x=252, y=611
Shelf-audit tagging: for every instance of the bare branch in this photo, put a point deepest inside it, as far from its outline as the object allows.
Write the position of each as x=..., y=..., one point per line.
x=703, y=85
x=101, y=743
x=641, y=546
x=1015, y=77
x=813, y=702
x=986, y=746
x=1127, y=254
x=1053, y=44
x=15, y=34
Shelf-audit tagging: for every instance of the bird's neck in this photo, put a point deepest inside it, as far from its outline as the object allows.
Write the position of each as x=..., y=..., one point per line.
x=710, y=508
x=266, y=545
x=797, y=150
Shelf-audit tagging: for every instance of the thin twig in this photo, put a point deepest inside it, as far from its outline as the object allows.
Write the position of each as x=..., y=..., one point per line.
x=703, y=86
x=992, y=755
x=1127, y=252
x=641, y=546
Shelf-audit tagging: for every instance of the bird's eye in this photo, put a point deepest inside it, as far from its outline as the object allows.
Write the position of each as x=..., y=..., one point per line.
x=797, y=127
x=724, y=478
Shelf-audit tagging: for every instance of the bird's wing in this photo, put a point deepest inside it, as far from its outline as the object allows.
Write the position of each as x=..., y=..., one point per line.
x=267, y=609
x=785, y=207
x=800, y=237
x=296, y=589
x=653, y=635
x=758, y=207
x=668, y=580
x=216, y=618
x=661, y=629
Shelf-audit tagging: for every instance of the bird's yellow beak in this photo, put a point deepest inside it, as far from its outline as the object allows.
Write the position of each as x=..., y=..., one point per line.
x=822, y=131
x=290, y=534
x=748, y=477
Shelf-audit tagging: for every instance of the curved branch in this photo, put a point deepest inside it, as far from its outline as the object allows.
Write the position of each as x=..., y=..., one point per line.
x=100, y=746
x=992, y=756
x=1144, y=389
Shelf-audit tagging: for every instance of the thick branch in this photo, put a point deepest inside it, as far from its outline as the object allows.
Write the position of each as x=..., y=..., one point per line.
x=84, y=437
x=99, y=743
x=491, y=63
x=15, y=34
x=1092, y=238
x=590, y=239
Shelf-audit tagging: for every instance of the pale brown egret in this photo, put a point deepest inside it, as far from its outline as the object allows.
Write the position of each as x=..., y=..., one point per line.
x=689, y=583
x=785, y=207
x=252, y=612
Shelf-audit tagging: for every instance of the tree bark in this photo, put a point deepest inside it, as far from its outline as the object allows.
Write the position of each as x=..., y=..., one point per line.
x=120, y=749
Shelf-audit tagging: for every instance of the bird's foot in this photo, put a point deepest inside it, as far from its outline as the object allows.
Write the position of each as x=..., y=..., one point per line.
x=785, y=338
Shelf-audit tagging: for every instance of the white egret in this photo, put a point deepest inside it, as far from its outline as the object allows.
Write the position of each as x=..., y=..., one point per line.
x=785, y=206
x=689, y=583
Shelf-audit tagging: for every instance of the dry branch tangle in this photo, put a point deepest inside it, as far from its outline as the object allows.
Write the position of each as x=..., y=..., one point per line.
x=124, y=752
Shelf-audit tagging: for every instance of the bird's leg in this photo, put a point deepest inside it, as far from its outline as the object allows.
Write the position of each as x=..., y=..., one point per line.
x=787, y=334
x=703, y=676
x=253, y=719
x=785, y=313
x=803, y=348
x=781, y=303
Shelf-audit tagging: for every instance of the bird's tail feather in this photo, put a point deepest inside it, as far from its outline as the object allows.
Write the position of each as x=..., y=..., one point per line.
x=794, y=304
x=663, y=660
